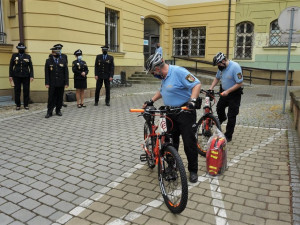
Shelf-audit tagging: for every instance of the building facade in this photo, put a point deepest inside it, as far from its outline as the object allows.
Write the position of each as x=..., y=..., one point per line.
x=191, y=28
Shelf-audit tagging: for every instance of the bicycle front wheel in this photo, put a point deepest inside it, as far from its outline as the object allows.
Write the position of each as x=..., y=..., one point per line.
x=206, y=127
x=173, y=180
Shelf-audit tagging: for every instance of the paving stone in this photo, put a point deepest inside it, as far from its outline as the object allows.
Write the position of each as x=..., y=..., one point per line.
x=39, y=220
x=44, y=210
x=49, y=200
x=64, y=206
x=5, y=219
x=29, y=204
x=15, y=197
x=23, y=215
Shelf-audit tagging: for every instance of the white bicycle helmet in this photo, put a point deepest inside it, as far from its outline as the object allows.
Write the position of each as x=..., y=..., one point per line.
x=218, y=58
x=153, y=61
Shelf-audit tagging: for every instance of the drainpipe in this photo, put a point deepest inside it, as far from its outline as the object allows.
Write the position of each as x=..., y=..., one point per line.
x=21, y=20
x=228, y=28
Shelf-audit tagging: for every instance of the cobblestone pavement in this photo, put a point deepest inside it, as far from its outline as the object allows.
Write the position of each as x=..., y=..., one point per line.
x=83, y=168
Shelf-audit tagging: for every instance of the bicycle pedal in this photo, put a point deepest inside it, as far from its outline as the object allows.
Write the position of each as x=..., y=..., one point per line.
x=143, y=157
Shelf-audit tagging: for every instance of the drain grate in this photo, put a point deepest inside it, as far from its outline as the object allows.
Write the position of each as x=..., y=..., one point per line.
x=264, y=95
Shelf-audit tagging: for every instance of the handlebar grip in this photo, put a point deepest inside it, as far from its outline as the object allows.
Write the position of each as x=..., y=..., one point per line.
x=137, y=110
x=184, y=108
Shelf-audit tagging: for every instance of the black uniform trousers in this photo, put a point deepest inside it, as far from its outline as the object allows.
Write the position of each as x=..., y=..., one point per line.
x=232, y=101
x=26, y=85
x=107, y=89
x=55, y=97
x=184, y=124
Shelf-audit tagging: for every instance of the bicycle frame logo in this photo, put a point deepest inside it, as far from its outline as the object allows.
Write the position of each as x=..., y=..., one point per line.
x=162, y=124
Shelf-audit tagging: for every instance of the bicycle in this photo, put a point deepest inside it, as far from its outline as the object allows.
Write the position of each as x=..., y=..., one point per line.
x=208, y=123
x=160, y=151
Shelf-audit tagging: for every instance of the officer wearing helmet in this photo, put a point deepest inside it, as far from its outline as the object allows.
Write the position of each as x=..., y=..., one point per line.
x=230, y=74
x=178, y=88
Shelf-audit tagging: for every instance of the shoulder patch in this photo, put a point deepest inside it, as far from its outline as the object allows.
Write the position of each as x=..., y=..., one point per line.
x=190, y=78
x=239, y=75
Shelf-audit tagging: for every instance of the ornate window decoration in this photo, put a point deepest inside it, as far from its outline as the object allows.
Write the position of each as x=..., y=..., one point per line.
x=244, y=40
x=111, y=29
x=275, y=35
x=189, y=41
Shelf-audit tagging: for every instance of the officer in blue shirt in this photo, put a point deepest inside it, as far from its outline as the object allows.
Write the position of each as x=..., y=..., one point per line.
x=178, y=88
x=230, y=74
x=159, y=49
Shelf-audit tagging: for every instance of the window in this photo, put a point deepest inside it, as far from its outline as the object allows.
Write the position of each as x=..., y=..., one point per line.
x=12, y=8
x=244, y=40
x=275, y=35
x=111, y=29
x=2, y=34
x=189, y=41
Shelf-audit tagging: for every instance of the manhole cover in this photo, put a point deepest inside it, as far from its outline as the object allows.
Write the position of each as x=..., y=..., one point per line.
x=264, y=95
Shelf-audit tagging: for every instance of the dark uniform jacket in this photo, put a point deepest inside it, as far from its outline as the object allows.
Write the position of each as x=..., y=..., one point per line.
x=56, y=74
x=79, y=66
x=20, y=66
x=104, y=69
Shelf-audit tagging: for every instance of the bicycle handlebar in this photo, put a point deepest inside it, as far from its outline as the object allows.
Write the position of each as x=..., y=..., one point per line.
x=166, y=109
x=210, y=92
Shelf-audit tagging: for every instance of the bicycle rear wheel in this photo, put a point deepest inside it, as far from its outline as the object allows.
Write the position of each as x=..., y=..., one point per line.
x=173, y=180
x=206, y=127
x=150, y=143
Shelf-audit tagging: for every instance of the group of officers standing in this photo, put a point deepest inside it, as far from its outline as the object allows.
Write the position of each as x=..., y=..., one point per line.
x=21, y=73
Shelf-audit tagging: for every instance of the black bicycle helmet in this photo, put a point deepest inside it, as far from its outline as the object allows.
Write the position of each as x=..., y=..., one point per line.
x=218, y=58
x=153, y=61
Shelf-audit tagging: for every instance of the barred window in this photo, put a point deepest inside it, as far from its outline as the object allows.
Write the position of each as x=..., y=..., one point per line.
x=189, y=41
x=111, y=29
x=244, y=40
x=2, y=34
x=275, y=35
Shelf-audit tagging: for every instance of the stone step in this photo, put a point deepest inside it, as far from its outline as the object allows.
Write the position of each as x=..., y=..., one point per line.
x=5, y=98
x=140, y=72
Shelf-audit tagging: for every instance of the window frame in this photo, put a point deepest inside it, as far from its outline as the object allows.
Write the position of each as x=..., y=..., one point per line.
x=113, y=47
x=2, y=34
x=244, y=35
x=188, y=39
x=276, y=35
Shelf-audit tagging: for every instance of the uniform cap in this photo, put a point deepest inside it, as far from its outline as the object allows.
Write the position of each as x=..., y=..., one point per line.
x=105, y=48
x=58, y=46
x=78, y=52
x=55, y=49
x=21, y=46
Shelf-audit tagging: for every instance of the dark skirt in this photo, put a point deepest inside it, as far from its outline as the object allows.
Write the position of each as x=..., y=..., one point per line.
x=80, y=84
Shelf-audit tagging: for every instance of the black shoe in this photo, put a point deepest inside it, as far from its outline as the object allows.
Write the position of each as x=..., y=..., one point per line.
x=96, y=104
x=59, y=113
x=107, y=104
x=48, y=115
x=228, y=139
x=193, y=177
x=64, y=105
x=26, y=107
x=18, y=108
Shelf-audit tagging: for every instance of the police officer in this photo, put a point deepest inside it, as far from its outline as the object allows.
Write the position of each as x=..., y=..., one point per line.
x=178, y=87
x=63, y=56
x=80, y=70
x=230, y=74
x=104, y=72
x=56, y=79
x=159, y=49
x=21, y=73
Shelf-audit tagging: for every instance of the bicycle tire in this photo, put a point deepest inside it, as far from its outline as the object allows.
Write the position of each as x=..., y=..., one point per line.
x=203, y=135
x=149, y=145
x=173, y=180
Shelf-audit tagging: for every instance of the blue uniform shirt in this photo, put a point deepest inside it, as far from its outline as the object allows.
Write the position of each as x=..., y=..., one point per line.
x=159, y=50
x=176, y=88
x=230, y=76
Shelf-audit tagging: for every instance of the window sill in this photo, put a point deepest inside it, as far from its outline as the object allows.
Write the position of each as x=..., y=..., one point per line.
x=117, y=54
x=10, y=17
x=279, y=47
x=244, y=60
x=6, y=48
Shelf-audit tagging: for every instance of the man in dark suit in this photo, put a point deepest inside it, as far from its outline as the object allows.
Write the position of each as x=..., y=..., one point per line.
x=56, y=79
x=21, y=73
x=62, y=56
x=104, y=72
